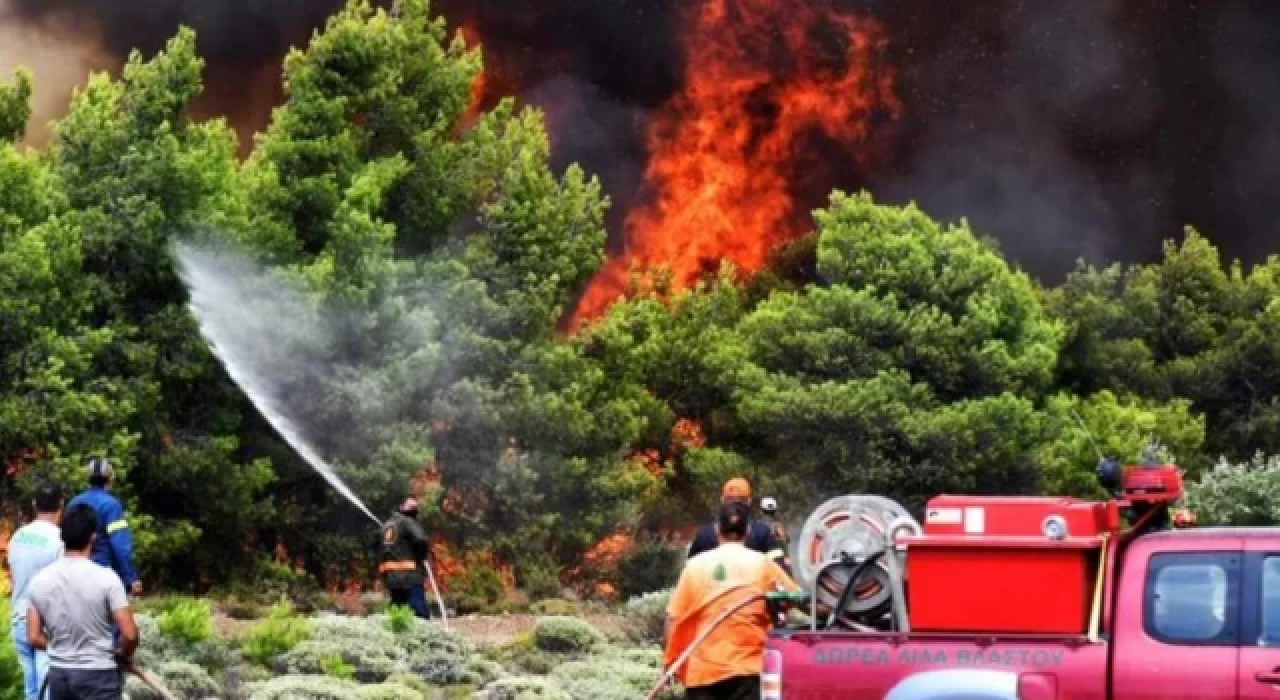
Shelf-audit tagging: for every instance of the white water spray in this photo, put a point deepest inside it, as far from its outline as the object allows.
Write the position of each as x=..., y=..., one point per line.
x=224, y=292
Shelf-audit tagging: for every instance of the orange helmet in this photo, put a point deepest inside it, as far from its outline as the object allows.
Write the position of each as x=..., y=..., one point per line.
x=736, y=489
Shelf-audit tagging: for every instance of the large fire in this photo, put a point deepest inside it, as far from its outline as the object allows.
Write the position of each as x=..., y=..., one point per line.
x=762, y=79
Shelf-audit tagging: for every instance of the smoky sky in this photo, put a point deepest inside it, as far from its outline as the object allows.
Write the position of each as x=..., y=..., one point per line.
x=1064, y=129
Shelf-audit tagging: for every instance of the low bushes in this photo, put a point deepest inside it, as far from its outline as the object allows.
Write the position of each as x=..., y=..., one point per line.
x=523, y=688
x=185, y=680
x=567, y=635
x=649, y=565
x=313, y=687
x=646, y=617
x=279, y=633
x=604, y=679
x=476, y=589
x=187, y=622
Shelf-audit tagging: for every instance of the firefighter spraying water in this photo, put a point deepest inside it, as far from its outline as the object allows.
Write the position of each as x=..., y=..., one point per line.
x=223, y=288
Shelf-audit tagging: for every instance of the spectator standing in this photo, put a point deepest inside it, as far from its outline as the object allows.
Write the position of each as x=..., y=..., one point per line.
x=33, y=547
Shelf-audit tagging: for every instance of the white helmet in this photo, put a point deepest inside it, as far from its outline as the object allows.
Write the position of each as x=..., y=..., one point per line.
x=768, y=504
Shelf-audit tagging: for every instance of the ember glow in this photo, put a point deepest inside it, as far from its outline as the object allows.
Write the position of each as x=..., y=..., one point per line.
x=769, y=85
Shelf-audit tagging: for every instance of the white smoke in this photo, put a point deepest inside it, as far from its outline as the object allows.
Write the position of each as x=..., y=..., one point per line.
x=265, y=334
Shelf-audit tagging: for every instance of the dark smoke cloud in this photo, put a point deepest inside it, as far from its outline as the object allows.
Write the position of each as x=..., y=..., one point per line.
x=1075, y=128
x=1091, y=128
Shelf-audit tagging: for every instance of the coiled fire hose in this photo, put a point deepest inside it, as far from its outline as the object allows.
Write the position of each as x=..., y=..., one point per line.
x=684, y=657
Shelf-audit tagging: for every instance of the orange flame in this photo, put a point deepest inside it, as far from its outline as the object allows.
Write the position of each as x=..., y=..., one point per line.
x=763, y=77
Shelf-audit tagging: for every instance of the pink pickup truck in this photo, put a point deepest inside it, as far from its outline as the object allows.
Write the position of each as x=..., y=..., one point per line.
x=1155, y=613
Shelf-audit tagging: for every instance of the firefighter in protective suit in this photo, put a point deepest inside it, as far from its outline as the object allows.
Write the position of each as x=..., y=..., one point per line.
x=402, y=560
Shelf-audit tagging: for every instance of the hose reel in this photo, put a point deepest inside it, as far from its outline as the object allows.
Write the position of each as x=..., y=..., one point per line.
x=842, y=557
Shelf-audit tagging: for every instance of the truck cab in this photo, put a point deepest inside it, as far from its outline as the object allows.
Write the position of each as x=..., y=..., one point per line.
x=1171, y=613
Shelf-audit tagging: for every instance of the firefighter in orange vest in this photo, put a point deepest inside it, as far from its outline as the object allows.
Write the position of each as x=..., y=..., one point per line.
x=720, y=595
x=402, y=561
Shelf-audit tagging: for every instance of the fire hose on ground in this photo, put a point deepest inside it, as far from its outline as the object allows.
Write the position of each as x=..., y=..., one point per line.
x=444, y=615
x=684, y=657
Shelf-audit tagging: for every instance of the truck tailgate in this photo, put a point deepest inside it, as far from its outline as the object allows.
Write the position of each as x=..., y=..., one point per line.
x=828, y=664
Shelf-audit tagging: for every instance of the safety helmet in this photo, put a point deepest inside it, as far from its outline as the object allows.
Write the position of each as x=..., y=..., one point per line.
x=769, y=505
x=736, y=489
x=99, y=469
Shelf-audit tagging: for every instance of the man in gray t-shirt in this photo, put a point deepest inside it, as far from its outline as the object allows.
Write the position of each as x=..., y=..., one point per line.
x=73, y=603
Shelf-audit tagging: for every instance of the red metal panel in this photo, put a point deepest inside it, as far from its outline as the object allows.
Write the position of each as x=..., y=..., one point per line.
x=1016, y=515
x=980, y=588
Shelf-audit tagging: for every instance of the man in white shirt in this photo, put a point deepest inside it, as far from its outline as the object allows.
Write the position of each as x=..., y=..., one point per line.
x=33, y=547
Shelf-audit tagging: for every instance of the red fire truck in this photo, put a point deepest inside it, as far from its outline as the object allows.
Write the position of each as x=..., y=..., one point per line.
x=1030, y=598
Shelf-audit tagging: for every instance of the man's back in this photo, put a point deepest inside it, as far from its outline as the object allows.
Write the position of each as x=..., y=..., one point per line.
x=759, y=538
x=33, y=547
x=404, y=543
x=706, y=591
x=75, y=598
x=113, y=548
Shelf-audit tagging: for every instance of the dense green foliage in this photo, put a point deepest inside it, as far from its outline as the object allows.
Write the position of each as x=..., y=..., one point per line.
x=886, y=352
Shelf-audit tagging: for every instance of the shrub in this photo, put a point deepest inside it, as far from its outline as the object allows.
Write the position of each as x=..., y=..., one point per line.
x=333, y=665
x=476, y=588
x=156, y=648
x=188, y=622
x=274, y=580
x=539, y=577
x=484, y=670
x=279, y=633
x=566, y=635
x=390, y=691
x=651, y=658
x=185, y=680
x=646, y=617
x=522, y=656
x=374, y=653
x=303, y=688
x=1238, y=494
x=399, y=618
x=424, y=637
x=238, y=609
x=366, y=662
x=11, y=682
x=523, y=688
x=556, y=606
x=604, y=678
x=188, y=680
x=650, y=565
x=411, y=681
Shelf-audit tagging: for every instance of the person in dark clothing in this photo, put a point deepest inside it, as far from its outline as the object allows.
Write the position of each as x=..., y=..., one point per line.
x=759, y=535
x=402, y=561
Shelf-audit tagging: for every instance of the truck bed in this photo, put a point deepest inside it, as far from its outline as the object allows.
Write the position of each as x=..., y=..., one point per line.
x=840, y=664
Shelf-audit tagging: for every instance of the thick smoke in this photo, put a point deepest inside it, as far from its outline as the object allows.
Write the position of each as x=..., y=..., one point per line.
x=58, y=63
x=1087, y=128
